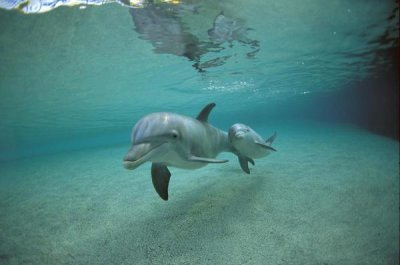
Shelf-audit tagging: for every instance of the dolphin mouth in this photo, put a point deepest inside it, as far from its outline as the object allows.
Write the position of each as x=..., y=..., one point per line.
x=132, y=164
x=240, y=134
x=139, y=154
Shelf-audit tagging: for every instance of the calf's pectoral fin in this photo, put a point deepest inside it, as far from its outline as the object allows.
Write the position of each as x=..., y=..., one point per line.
x=244, y=163
x=263, y=145
x=160, y=176
x=205, y=160
x=271, y=139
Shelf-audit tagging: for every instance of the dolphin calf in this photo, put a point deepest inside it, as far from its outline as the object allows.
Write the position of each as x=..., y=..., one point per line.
x=248, y=144
x=169, y=139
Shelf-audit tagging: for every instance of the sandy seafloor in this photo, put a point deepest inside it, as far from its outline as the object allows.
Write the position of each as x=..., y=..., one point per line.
x=330, y=195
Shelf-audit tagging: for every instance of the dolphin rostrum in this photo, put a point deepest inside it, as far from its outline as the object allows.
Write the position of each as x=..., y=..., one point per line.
x=169, y=139
x=248, y=144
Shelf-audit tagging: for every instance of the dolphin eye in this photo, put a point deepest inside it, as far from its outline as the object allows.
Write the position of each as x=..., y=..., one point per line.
x=174, y=135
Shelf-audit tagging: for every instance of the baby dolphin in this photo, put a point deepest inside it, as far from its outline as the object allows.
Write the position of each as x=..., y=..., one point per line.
x=248, y=144
x=169, y=139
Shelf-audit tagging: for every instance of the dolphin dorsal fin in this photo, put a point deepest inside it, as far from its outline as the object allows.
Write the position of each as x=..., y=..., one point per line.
x=203, y=115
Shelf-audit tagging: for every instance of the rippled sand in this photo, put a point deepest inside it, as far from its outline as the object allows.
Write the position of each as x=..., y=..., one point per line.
x=328, y=196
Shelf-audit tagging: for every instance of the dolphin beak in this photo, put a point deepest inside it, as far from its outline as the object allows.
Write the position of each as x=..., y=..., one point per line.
x=139, y=154
x=239, y=134
x=130, y=161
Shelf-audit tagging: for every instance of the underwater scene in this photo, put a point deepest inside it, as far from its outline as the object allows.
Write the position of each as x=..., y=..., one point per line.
x=199, y=132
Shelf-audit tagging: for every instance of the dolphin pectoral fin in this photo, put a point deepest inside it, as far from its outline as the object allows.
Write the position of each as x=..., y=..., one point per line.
x=263, y=145
x=203, y=115
x=206, y=160
x=243, y=161
x=160, y=176
x=271, y=139
x=250, y=160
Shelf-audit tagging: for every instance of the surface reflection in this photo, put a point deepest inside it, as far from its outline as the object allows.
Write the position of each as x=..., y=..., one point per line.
x=162, y=25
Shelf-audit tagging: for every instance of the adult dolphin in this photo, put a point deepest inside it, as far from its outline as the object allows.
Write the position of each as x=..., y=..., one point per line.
x=169, y=139
x=248, y=144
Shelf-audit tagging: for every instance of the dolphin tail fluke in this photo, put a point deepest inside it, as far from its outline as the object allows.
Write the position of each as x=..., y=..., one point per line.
x=271, y=139
x=244, y=163
x=160, y=176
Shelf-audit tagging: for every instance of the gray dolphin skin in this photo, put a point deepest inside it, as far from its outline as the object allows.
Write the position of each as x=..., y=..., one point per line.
x=169, y=139
x=248, y=144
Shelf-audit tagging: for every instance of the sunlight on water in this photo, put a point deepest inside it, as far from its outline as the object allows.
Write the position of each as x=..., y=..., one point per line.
x=41, y=6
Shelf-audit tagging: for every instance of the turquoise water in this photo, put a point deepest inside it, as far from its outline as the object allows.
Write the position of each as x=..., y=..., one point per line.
x=82, y=74
x=324, y=75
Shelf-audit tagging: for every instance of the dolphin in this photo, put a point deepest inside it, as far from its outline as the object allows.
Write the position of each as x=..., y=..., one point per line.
x=248, y=144
x=172, y=140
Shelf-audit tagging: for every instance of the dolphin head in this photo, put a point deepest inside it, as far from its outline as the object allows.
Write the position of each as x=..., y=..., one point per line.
x=150, y=138
x=238, y=131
